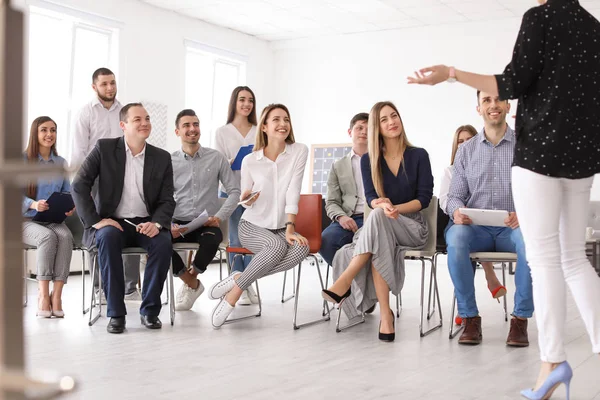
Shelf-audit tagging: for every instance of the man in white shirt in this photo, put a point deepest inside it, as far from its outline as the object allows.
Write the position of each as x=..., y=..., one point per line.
x=99, y=119
x=345, y=202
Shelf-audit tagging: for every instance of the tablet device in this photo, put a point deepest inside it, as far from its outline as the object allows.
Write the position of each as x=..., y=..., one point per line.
x=59, y=203
x=485, y=217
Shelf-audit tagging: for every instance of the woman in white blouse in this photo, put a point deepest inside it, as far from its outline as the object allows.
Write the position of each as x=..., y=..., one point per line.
x=239, y=131
x=462, y=134
x=274, y=170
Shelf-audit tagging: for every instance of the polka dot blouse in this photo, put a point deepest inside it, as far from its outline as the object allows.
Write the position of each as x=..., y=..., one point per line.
x=555, y=74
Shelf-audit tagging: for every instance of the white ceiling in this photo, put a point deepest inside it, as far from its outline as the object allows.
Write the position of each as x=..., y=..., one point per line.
x=274, y=20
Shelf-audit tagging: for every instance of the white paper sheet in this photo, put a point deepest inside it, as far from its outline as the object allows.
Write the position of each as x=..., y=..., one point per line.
x=199, y=221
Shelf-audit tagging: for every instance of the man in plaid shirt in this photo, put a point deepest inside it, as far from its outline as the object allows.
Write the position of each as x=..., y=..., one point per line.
x=482, y=179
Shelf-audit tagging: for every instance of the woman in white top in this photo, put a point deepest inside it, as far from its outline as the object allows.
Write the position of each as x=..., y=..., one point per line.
x=239, y=131
x=275, y=170
x=462, y=134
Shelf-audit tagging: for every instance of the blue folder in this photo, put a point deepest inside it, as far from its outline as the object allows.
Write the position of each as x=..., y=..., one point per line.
x=244, y=151
x=59, y=203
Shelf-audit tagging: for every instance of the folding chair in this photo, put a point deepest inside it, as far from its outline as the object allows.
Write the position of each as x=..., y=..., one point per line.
x=503, y=258
x=308, y=224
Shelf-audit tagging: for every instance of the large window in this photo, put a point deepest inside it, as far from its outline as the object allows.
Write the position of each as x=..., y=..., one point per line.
x=64, y=51
x=210, y=76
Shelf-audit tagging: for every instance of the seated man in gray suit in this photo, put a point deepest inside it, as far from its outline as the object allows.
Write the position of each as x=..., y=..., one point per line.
x=345, y=193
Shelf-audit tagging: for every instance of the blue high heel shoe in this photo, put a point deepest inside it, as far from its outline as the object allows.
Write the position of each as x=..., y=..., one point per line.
x=561, y=374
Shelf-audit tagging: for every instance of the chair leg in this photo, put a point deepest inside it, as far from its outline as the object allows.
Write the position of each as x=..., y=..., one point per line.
x=85, y=310
x=323, y=318
x=171, y=296
x=504, y=284
x=453, y=332
x=93, y=319
x=350, y=324
x=431, y=311
x=283, y=298
x=433, y=274
x=398, y=304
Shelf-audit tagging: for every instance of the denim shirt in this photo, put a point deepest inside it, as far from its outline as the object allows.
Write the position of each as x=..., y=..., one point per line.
x=46, y=187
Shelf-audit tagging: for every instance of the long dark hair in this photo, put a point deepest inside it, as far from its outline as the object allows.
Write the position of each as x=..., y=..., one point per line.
x=33, y=149
x=233, y=104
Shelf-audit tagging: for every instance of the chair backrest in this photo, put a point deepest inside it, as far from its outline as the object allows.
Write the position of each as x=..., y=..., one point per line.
x=76, y=227
x=224, y=225
x=430, y=214
x=442, y=222
x=308, y=220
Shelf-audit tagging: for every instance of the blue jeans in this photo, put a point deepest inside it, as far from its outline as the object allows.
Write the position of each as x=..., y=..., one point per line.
x=334, y=237
x=465, y=239
x=110, y=242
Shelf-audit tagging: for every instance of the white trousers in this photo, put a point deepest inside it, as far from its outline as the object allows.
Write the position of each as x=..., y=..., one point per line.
x=553, y=214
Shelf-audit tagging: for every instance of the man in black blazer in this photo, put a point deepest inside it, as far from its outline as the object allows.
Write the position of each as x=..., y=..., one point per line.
x=134, y=207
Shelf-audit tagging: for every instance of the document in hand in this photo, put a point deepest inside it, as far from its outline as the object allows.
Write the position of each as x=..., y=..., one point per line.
x=485, y=217
x=244, y=151
x=199, y=221
x=59, y=204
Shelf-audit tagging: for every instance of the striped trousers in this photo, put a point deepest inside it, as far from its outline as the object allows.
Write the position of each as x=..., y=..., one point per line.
x=54, y=244
x=272, y=253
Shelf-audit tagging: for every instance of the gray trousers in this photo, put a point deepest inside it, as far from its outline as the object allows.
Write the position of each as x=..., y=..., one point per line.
x=54, y=244
x=387, y=240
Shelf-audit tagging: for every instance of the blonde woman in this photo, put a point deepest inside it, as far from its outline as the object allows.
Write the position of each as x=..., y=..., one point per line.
x=463, y=134
x=274, y=170
x=398, y=185
x=239, y=131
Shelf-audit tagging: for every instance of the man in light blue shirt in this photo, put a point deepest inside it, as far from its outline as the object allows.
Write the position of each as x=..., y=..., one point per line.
x=197, y=172
x=482, y=179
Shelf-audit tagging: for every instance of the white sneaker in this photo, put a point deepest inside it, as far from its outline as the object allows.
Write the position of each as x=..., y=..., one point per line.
x=220, y=313
x=134, y=296
x=220, y=289
x=252, y=295
x=245, y=299
x=186, y=296
x=102, y=297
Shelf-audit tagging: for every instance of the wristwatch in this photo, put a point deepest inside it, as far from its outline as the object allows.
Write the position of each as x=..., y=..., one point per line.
x=159, y=226
x=451, y=75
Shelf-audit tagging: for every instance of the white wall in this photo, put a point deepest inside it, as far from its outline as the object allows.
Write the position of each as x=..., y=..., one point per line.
x=152, y=52
x=325, y=82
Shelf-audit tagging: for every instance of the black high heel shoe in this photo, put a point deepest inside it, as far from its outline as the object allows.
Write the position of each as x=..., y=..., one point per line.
x=388, y=337
x=335, y=298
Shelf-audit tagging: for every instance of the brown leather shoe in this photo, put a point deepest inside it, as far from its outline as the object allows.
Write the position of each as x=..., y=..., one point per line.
x=472, y=333
x=517, y=336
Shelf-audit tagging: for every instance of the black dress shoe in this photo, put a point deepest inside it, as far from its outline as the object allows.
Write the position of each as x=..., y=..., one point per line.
x=151, y=322
x=335, y=298
x=116, y=325
x=388, y=337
